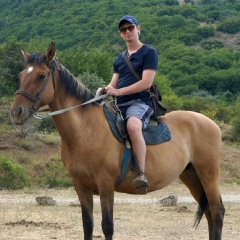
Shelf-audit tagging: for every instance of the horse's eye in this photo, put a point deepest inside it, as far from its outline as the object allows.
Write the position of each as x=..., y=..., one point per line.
x=41, y=77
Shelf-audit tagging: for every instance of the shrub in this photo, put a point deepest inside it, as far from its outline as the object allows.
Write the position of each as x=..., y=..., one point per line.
x=236, y=129
x=46, y=125
x=230, y=25
x=236, y=121
x=205, y=31
x=210, y=21
x=208, y=45
x=12, y=175
x=91, y=81
x=56, y=174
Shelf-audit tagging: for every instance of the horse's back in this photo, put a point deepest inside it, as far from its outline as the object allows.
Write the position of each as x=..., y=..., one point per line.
x=198, y=133
x=192, y=125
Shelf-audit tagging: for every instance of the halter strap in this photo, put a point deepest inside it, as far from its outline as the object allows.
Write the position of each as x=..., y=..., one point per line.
x=38, y=98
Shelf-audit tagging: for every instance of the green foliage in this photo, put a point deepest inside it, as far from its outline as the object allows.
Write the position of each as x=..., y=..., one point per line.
x=205, y=32
x=56, y=175
x=46, y=125
x=92, y=25
x=211, y=44
x=91, y=81
x=229, y=25
x=170, y=100
x=93, y=61
x=87, y=39
x=10, y=66
x=236, y=121
x=12, y=175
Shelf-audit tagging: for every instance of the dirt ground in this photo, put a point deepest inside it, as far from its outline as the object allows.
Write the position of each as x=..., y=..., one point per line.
x=135, y=217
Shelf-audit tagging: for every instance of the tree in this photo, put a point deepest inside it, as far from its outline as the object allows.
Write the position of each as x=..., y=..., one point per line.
x=11, y=63
x=91, y=81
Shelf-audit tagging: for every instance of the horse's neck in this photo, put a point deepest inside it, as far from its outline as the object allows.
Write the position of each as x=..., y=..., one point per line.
x=77, y=124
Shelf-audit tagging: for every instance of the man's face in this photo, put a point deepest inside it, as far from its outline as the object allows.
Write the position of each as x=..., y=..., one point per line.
x=129, y=31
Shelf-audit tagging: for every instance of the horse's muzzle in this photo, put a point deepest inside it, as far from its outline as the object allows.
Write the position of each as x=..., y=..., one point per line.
x=19, y=115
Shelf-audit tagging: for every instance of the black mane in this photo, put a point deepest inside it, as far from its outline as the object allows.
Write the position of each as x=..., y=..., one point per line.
x=67, y=80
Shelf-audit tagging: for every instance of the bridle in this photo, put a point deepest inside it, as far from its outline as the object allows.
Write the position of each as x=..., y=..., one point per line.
x=36, y=99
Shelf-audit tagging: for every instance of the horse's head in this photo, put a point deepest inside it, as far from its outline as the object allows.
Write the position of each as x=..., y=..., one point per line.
x=37, y=85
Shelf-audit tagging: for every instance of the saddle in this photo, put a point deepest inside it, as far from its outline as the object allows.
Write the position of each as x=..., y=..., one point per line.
x=156, y=132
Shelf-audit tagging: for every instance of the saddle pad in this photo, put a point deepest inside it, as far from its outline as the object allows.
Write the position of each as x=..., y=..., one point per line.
x=152, y=134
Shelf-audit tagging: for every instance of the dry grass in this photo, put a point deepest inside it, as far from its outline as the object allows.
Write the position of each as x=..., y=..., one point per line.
x=135, y=217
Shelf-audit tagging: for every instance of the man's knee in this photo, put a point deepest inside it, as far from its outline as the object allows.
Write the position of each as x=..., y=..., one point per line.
x=134, y=125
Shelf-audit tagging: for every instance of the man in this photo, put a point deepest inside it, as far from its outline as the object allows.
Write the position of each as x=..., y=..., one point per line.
x=132, y=96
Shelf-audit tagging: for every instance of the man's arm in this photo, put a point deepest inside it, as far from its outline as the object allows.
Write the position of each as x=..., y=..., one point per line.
x=143, y=84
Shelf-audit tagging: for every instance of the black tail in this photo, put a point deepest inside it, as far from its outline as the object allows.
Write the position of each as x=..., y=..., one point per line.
x=202, y=207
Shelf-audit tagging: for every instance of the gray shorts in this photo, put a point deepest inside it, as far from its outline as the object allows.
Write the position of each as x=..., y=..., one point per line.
x=138, y=109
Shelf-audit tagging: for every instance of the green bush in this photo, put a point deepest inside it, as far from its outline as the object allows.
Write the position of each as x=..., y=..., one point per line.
x=46, y=125
x=12, y=175
x=208, y=45
x=236, y=129
x=229, y=25
x=235, y=122
x=56, y=174
x=205, y=31
x=91, y=81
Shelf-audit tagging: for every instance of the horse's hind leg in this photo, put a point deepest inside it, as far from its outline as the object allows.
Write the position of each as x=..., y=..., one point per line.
x=214, y=209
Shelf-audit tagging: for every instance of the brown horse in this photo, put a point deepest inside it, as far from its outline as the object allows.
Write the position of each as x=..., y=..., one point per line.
x=93, y=156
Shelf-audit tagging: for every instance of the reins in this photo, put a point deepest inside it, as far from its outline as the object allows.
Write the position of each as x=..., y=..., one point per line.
x=38, y=98
x=95, y=99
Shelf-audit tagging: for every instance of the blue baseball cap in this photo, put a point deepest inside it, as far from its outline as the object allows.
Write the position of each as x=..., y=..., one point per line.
x=127, y=18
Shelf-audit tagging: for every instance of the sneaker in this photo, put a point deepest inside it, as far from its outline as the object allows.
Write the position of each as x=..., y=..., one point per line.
x=141, y=184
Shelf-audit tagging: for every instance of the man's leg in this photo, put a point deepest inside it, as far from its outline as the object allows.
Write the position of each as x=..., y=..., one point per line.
x=134, y=127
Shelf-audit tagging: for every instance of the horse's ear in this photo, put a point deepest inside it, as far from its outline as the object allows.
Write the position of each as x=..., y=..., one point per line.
x=51, y=52
x=25, y=54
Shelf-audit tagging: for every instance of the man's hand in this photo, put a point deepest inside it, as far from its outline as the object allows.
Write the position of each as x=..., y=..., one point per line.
x=100, y=91
x=112, y=91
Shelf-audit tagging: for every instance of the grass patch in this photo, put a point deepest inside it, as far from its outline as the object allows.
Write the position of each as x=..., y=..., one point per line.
x=51, y=140
x=4, y=126
x=25, y=144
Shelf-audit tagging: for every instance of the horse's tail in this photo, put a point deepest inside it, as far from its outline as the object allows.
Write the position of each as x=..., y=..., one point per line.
x=202, y=207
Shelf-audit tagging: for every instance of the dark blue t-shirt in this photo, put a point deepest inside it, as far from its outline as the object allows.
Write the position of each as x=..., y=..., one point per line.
x=145, y=58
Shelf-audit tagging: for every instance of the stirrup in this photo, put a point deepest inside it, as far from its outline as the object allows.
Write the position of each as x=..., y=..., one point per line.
x=141, y=183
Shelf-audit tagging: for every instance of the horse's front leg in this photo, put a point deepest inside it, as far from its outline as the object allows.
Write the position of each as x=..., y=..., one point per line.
x=106, y=193
x=85, y=196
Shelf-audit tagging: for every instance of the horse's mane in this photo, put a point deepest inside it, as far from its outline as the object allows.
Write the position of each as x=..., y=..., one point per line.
x=67, y=80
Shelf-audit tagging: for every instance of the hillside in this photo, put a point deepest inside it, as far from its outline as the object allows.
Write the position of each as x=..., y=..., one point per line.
x=39, y=155
x=198, y=44
x=194, y=39
x=74, y=23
